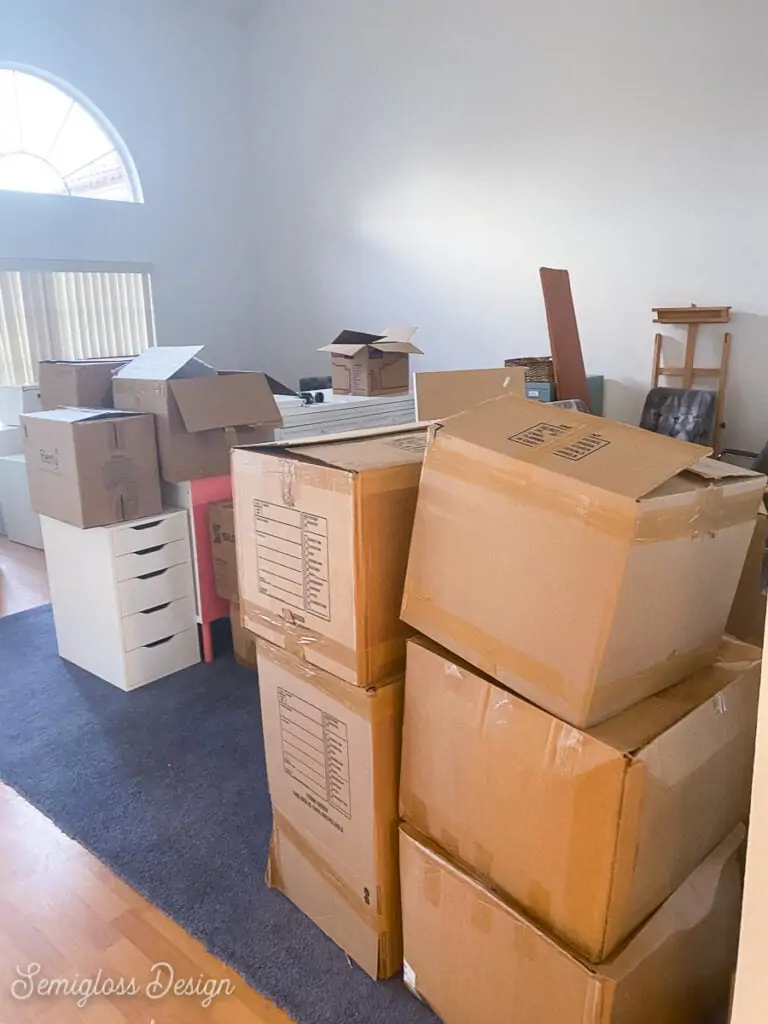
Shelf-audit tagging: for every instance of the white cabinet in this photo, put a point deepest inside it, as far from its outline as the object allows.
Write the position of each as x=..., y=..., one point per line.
x=20, y=521
x=16, y=399
x=123, y=597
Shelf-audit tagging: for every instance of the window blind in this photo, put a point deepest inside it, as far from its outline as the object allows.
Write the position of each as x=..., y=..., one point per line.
x=70, y=314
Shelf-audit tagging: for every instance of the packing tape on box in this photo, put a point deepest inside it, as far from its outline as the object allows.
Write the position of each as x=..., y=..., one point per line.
x=615, y=515
x=356, y=901
x=297, y=637
x=358, y=699
x=500, y=660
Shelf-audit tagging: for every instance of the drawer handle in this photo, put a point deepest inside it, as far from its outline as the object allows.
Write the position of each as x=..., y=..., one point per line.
x=157, y=643
x=150, y=551
x=157, y=608
x=147, y=526
x=151, y=575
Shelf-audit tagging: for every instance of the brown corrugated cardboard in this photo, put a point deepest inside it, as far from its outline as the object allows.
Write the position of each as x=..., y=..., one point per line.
x=615, y=818
x=201, y=412
x=584, y=563
x=84, y=383
x=333, y=756
x=472, y=957
x=243, y=641
x=747, y=618
x=221, y=520
x=445, y=393
x=323, y=528
x=371, y=364
x=92, y=467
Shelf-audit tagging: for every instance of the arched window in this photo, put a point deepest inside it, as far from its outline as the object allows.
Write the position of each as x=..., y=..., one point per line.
x=53, y=140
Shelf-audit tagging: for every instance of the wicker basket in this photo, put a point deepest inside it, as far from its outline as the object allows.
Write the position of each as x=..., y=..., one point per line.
x=537, y=368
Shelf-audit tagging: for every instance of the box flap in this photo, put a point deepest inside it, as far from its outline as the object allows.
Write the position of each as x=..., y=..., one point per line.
x=70, y=415
x=714, y=469
x=349, y=343
x=405, y=347
x=227, y=400
x=613, y=456
x=160, y=363
x=278, y=388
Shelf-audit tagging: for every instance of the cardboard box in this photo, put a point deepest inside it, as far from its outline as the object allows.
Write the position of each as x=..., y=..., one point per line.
x=221, y=521
x=371, y=364
x=445, y=393
x=92, y=467
x=472, y=957
x=83, y=383
x=201, y=412
x=333, y=757
x=584, y=563
x=323, y=527
x=243, y=641
x=615, y=818
x=747, y=618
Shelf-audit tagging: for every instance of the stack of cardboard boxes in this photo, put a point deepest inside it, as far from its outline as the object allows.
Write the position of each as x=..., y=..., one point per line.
x=323, y=529
x=577, y=753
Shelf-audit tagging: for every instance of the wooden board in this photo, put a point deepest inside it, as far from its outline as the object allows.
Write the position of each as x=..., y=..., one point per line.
x=692, y=314
x=570, y=375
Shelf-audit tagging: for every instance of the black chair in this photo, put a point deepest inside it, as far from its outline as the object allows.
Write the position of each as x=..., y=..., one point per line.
x=685, y=413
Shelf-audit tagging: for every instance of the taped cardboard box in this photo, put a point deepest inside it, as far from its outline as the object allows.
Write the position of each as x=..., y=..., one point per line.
x=323, y=528
x=747, y=618
x=372, y=364
x=243, y=641
x=221, y=521
x=92, y=467
x=201, y=412
x=584, y=563
x=473, y=957
x=333, y=757
x=588, y=831
x=85, y=383
x=443, y=393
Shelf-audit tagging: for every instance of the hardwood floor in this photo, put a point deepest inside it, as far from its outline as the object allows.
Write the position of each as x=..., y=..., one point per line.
x=64, y=912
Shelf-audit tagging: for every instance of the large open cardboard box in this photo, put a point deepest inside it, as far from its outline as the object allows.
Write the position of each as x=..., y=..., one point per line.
x=442, y=393
x=201, y=412
x=584, y=563
x=323, y=528
x=588, y=831
x=333, y=756
x=92, y=467
x=473, y=957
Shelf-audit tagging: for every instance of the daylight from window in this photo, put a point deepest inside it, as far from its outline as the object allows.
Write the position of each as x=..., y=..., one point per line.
x=49, y=142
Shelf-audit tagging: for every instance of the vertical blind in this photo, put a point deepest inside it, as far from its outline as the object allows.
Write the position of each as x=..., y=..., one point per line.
x=70, y=314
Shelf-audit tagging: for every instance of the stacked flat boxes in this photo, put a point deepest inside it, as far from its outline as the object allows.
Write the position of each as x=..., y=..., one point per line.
x=578, y=733
x=323, y=529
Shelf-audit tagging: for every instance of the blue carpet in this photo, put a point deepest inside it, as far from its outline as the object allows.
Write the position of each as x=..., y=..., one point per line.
x=167, y=786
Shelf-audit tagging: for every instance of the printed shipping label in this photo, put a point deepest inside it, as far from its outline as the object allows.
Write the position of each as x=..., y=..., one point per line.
x=292, y=558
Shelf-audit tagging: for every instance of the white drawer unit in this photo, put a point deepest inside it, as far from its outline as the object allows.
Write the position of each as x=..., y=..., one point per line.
x=124, y=597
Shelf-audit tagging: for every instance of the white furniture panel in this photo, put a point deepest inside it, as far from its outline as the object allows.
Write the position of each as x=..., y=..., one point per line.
x=338, y=413
x=16, y=399
x=20, y=521
x=123, y=597
x=11, y=440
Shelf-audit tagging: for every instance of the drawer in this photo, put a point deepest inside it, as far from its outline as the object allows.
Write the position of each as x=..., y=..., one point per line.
x=161, y=658
x=155, y=623
x=150, y=559
x=149, y=534
x=155, y=588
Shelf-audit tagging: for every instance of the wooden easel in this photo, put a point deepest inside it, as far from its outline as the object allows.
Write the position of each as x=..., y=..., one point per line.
x=691, y=317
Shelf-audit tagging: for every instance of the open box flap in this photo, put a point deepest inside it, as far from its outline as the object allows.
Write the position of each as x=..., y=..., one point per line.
x=227, y=400
x=164, y=363
x=349, y=343
x=406, y=347
x=613, y=456
x=714, y=469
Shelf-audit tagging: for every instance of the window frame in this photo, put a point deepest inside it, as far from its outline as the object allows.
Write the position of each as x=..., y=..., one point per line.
x=101, y=120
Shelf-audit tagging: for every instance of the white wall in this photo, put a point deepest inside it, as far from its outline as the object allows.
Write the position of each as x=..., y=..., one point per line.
x=170, y=75
x=418, y=160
